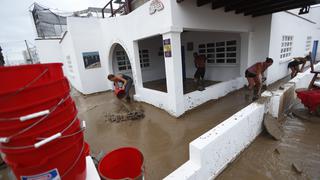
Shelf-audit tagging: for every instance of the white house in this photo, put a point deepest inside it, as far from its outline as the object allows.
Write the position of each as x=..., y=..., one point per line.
x=155, y=42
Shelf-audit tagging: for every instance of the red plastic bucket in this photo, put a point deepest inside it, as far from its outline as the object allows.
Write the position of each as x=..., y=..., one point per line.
x=30, y=95
x=86, y=149
x=14, y=77
x=120, y=93
x=45, y=129
x=310, y=98
x=64, y=113
x=22, y=155
x=32, y=107
x=68, y=162
x=123, y=163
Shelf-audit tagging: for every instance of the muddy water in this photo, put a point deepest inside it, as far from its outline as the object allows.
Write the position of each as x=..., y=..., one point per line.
x=269, y=159
x=163, y=140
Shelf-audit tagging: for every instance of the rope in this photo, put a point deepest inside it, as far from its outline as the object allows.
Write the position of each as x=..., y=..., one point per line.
x=32, y=146
x=28, y=85
x=40, y=120
x=75, y=162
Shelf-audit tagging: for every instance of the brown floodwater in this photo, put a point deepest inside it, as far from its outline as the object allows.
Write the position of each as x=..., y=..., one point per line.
x=163, y=139
x=295, y=156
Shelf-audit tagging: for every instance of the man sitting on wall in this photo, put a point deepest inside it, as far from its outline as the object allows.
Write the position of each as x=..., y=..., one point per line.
x=255, y=76
x=122, y=82
x=294, y=65
x=200, y=64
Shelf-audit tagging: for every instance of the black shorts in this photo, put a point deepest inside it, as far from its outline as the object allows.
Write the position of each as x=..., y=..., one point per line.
x=200, y=73
x=293, y=64
x=250, y=74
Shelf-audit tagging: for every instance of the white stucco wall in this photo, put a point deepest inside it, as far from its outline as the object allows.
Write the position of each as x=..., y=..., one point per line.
x=49, y=50
x=284, y=23
x=157, y=66
x=86, y=36
x=259, y=37
x=70, y=62
x=215, y=72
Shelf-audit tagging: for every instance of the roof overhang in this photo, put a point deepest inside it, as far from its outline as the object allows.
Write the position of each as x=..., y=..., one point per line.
x=256, y=7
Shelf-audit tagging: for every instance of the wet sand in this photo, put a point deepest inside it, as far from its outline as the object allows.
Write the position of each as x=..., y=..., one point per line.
x=266, y=158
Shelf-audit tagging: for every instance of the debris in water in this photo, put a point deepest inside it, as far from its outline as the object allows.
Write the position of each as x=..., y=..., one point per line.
x=276, y=150
x=133, y=115
x=297, y=167
x=273, y=127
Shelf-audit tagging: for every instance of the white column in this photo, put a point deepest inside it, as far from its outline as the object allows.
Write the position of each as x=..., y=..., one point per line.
x=136, y=69
x=173, y=67
x=245, y=53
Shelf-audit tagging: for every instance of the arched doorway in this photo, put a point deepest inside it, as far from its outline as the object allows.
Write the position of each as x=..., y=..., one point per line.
x=120, y=61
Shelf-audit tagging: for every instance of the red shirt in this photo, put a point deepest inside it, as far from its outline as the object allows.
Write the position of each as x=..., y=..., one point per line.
x=200, y=61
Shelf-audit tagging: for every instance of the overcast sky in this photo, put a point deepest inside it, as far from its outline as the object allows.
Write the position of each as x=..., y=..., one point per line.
x=16, y=23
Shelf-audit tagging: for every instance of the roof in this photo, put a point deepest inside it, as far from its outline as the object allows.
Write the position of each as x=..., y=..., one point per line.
x=256, y=7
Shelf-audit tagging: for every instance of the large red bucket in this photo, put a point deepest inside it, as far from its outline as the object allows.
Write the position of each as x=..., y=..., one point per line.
x=21, y=99
x=15, y=77
x=123, y=163
x=32, y=107
x=29, y=154
x=67, y=162
x=41, y=135
x=62, y=114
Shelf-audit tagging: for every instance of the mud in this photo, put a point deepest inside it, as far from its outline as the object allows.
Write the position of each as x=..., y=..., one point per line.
x=163, y=139
x=273, y=127
x=302, y=113
x=295, y=156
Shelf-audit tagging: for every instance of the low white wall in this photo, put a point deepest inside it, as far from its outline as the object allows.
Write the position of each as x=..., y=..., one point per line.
x=213, y=151
x=196, y=98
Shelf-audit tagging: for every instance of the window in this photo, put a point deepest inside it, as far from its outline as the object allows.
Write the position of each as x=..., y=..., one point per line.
x=144, y=58
x=308, y=44
x=122, y=61
x=222, y=52
x=286, y=46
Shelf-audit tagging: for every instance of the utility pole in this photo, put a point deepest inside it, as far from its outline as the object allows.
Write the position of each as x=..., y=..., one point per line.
x=28, y=51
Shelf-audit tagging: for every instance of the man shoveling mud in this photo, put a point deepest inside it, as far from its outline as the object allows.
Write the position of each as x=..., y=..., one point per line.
x=255, y=76
x=122, y=82
x=294, y=65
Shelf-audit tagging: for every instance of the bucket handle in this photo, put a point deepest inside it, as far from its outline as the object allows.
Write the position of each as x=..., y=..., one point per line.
x=46, y=160
x=49, y=139
x=36, y=114
x=7, y=139
x=28, y=85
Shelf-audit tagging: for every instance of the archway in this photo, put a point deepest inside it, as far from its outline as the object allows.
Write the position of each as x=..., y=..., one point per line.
x=120, y=62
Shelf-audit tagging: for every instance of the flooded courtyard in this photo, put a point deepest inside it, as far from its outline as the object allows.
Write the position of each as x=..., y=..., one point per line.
x=163, y=139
